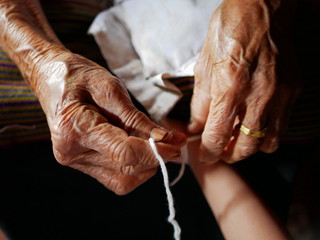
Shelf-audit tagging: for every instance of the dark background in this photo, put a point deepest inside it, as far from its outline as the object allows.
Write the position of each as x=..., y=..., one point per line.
x=40, y=199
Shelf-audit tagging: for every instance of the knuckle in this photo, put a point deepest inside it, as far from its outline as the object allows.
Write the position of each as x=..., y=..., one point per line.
x=235, y=74
x=128, y=152
x=123, y=154
x=246, y=151
x=128, y=170
x=112, y=90
x=63, y=159
x=121, y=188
x=214, y=141
x=114, y=83
x=58, y=156
x=116, y=182
x=62, y=150
x=113, y=182
x=135, y=121
x=147, y=157
x=132, y=152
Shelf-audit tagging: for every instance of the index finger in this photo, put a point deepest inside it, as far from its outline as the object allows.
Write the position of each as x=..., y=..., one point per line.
x=219, y=127
x=86, y=130
x=114, y=144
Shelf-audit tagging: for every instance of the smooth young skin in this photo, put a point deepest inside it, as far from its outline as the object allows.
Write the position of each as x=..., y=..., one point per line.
x=238, y=210
x=246, y=73
x=240, y=213
x=94, y=126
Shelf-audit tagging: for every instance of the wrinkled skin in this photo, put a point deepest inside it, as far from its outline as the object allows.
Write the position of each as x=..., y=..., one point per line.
x=246, y=74
x=96, y=129
x=94, y=126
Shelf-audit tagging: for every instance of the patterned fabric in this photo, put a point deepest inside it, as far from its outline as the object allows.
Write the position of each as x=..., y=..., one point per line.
x=21, y=117
x=304, y=124
x=71, y=19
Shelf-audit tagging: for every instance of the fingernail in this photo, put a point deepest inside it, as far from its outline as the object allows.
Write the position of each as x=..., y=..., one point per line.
x=159, y=134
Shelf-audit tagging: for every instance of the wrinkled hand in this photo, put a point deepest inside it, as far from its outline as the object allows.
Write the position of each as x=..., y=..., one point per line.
x=94, y=126
x=245, y=75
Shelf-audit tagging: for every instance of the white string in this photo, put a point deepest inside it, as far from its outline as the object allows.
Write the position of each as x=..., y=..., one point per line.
x=184, y=158
x=180, y=175
x=172, y=210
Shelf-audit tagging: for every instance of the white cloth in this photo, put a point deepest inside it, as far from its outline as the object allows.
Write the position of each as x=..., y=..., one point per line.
x=142, y=39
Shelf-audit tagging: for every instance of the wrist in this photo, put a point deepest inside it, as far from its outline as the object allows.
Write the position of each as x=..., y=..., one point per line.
x=61, y=77
x=25, y=35
x=49, y=75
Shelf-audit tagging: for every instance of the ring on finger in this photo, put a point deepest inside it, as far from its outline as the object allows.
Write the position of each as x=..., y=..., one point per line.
x=253, y=133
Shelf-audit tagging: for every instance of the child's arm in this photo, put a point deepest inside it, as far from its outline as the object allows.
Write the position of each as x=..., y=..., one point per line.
x=240, y=213
x=238, y=210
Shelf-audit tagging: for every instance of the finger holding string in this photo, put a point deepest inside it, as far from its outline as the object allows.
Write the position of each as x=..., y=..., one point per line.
x=103, y=146
x=249, y=134
x=116, y=145
x=201, y=98
x=124, y=115
x=118, y=178
x=218, y=128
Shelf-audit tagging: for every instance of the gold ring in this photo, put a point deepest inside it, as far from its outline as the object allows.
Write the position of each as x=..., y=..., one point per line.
x=253, y=133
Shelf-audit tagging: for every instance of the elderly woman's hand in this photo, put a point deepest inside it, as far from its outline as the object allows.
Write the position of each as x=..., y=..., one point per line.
x=94, y=126
x=240, y=80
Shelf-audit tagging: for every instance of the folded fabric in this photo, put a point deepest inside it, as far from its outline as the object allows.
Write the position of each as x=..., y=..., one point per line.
x=145, y=42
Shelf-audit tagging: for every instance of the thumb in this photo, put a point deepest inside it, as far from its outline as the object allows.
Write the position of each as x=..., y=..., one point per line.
x=123, y=114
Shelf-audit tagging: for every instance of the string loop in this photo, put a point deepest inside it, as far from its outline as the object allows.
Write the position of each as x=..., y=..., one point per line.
x=172, y=210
